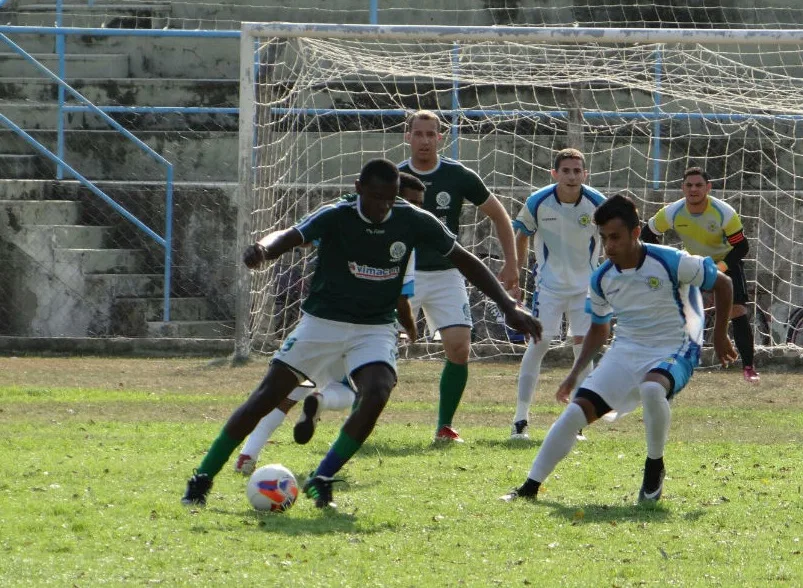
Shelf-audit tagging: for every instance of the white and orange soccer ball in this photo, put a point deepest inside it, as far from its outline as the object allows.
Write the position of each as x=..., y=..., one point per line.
x=272, y=487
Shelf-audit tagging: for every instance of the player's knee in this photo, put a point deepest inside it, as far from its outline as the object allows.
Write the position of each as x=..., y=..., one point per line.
x=458, y=351
x=652, y=392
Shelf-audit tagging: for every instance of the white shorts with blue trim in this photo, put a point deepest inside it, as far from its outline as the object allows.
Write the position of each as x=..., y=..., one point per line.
x=623, y=367
x=323, y=351
x=549, y=308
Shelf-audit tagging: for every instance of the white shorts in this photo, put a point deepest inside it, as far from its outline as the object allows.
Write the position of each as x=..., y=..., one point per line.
x=322, y=351
x=549, y=308
x=443, y=297
x=622, y=369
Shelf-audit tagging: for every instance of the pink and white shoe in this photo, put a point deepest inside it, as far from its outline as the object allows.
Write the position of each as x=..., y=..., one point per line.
x=245, y=464
x=750, y=375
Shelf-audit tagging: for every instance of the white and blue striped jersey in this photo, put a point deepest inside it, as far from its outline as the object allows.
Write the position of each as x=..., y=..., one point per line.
x=566, y=240
x=658, y=303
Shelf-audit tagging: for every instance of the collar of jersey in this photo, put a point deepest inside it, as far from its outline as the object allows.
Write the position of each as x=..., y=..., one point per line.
x=366, y=219
x=638, y=265
x=424, y=173
x=707, y=206
x=559, y=201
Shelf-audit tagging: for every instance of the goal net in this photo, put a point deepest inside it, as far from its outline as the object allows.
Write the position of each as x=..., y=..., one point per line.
x=317, y=101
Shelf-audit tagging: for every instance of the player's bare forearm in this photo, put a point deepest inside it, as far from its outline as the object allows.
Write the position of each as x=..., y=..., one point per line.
x=479, y=275
x=271, y=246
x=723, y=302
x=504, y=232
x=593, y=341
x=406, y=319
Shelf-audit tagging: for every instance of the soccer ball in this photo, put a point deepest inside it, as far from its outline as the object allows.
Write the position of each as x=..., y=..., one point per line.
x=272, y=487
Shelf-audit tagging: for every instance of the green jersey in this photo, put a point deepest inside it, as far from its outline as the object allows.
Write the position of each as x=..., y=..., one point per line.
x=448, y=185
x=361, y=265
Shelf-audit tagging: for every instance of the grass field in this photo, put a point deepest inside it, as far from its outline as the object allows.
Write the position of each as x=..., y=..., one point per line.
x=94, y=455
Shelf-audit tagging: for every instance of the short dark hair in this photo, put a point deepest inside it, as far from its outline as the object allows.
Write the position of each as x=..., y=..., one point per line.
x=617, y=206
x=569, y=153
x=380, y=169
x=696, y=171
x=409, y=181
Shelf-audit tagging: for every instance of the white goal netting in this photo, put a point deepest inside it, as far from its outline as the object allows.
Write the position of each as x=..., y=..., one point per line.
x=641, y=111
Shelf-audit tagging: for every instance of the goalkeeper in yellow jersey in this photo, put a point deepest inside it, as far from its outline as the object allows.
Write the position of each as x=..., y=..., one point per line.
x=710, y=227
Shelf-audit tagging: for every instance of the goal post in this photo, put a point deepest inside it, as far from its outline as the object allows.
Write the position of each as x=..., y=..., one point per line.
x=319, y=100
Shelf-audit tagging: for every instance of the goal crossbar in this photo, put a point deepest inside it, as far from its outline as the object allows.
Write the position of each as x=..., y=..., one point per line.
x=523, y=34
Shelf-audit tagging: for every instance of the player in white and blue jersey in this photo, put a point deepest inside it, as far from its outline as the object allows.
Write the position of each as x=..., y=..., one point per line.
x=654, y=292
x=559, y=217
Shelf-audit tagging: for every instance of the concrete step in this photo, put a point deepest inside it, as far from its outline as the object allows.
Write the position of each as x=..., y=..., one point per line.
x=126, y=284
x=161, y=57
x=192, y=329
x=74, y=236
x=102, y=261
x=192, y=309
x=44, y=115
x=197, y=156
x=135, y=16
x=111, y=65
x=127, y=91
x=15, y=165
x=19, y=213
x=25, y=189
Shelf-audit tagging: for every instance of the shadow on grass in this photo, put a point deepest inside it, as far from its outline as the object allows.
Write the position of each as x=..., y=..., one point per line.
x=329, y=521
x=605, y=513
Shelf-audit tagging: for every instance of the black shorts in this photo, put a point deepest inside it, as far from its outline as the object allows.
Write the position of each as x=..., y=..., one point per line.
x=736, y=274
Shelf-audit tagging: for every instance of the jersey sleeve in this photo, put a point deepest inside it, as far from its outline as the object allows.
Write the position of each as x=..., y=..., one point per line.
x=659, y=223
x=408, y=283
x=433, y=233
x=696, y=271
x=525, y=221
x=596, y=305
x=317, y=224
x=732, y=225
x=475, y=190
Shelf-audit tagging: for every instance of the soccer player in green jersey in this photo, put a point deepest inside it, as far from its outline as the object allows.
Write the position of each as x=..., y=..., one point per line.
x=710, y=227
x=440, y=289
x=348, y=316
x=336, y=394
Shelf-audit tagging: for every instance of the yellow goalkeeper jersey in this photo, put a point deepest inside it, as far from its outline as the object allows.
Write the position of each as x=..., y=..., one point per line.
x=711, y=233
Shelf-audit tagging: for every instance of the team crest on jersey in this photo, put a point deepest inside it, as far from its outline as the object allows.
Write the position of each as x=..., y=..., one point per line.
x=584, y=220
x=443, y=199
x=397, y=250
x=654, y=283
x=712, y=227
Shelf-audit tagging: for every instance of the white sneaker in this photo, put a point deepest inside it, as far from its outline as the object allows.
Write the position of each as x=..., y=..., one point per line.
x=519, y=430
x=245, y=464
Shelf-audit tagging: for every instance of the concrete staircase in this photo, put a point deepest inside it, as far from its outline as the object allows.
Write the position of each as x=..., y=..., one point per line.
x=85, y=283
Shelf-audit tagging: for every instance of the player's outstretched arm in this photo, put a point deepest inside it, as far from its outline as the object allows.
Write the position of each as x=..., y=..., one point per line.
x=509, y=276
x=594, y=339
x=723, y=301
x=479, y=275
x=271, y=246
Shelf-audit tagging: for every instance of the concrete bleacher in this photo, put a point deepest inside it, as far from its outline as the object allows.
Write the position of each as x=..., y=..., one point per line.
x=112, y=265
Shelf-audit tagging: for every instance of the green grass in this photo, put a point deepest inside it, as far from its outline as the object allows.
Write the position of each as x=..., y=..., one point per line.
x=91, y=473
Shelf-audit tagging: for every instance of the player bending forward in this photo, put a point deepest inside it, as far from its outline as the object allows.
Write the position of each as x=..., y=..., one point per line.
x=654, y=292
x=348, y=319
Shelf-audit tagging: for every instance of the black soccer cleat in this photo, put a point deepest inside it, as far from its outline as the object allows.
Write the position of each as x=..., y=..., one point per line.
x=198, y=488
x=319, y=488
x=304, y=428
x=653, y=485
x=528, y=490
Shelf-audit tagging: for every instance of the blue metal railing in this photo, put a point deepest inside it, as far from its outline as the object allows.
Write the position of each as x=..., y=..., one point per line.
x=166, y=241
